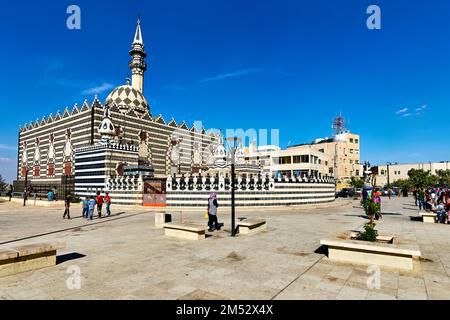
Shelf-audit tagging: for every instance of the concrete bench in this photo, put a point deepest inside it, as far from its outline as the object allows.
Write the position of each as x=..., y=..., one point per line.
x=371, y=253
x=428, y=217
x=185, y=231
x=28, y=257
x=250, y=226
x=161, y=218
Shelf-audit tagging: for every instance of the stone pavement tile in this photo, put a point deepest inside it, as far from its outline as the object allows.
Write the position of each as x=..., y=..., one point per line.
x=302, y=291
x=340, y=272
x=150, y=292
x=375, y=295
x=410, y=283
x=438, y=291
x=279, y=282
x=435, y=277
x=199, y=294
x=331, y=284
x=310, y=279
x=352, y=293
x=407, y=294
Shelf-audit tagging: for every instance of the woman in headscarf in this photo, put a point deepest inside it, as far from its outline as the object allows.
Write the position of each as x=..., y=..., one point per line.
x=213, y=224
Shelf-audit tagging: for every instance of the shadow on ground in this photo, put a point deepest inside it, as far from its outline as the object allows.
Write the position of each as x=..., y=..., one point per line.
x=69, y=256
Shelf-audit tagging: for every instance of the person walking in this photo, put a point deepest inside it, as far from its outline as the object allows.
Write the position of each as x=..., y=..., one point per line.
x=421, y=198
x=99, y=204
x=92, y=204
x=213, y=224
x=67, y=205
x=85, y=205
x=54, y=194
x=10, y=192
x=415, y=197
x=107, y=204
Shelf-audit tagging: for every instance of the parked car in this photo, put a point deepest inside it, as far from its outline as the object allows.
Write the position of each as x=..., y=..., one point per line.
x=345, y=193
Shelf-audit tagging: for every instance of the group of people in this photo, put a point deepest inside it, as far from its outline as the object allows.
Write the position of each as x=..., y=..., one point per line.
x=98, y=200
x=435, y=199
x=89, y=204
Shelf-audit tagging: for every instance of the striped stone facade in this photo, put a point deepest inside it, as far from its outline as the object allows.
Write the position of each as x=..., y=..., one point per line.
x=48, y=145
x=253, y=192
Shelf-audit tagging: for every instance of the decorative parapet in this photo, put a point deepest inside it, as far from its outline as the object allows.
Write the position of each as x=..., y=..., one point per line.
x=242, y=183
x=129, y=183
x=111, y=145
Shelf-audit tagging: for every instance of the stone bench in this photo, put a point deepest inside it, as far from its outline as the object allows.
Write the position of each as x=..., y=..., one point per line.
x=371, y=253
x=250, y=226
x=428, y=217
x=28, y=257
x=185, y=231
x=161, y=218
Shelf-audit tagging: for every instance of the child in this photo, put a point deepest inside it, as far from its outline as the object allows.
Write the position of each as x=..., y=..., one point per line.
x=108, y=204
x=85, y=212
x=92, y=204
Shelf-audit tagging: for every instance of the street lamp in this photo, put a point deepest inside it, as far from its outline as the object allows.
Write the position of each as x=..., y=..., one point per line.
x=388, y=179
x=27, y=169
x=233, y=145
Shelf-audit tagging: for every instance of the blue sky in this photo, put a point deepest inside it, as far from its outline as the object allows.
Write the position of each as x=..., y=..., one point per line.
x=287, y=65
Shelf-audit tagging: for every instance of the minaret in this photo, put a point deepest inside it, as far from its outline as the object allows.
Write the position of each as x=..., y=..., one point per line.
x=137, y=63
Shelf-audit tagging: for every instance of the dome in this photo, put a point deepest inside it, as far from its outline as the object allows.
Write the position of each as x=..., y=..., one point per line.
x=127, y=98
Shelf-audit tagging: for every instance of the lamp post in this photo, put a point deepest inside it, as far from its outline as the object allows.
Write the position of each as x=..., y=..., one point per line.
x=232, y=145
x=25, y=189
x=388, y=180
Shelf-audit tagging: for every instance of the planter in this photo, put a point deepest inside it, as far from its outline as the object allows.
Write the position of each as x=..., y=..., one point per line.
x=385, y=252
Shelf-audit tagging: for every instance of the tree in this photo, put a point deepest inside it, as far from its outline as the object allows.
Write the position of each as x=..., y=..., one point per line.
x=3, y=184
x=357, y=183
x=444, y=177
x=403, y=184
x=422, y=179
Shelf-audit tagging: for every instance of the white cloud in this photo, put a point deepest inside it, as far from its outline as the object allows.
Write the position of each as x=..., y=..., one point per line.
x=401, y=111
x=406, y=115
x=6, y=147
x=7, y=160
x=422, y=108
x=230, y=75
x=99, y=89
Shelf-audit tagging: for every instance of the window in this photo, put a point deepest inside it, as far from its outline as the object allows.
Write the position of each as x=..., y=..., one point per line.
x=301, y=159
x=351, y=151
x=282, y=160
x=351, y=140
x=351, y=161
x=357, y=141
x=382, y=172
x=357, y=161
x=357, y=173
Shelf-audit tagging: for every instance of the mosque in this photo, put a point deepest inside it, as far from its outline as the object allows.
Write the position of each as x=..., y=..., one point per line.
x=79, y=149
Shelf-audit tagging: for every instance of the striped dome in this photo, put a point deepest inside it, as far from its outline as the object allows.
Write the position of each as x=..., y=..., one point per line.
x=127, y=98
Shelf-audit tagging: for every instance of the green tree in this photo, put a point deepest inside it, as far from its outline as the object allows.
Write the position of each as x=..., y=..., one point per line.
x=444, y=177
x=422, y=179
x=357, y=183
x=3, y=184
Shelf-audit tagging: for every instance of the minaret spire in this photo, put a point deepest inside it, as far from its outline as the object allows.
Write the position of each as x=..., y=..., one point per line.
x=137, y=63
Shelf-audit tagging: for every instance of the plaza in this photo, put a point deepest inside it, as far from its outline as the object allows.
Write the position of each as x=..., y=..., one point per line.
x=127, y=257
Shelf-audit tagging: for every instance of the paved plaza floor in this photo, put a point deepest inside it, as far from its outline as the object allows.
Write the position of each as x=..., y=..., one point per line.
x=126, y=257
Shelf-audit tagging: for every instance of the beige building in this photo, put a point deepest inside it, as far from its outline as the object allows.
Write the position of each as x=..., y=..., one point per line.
x=344, y=153
x=337, y=157
x=400, y=171
x=297, y=161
